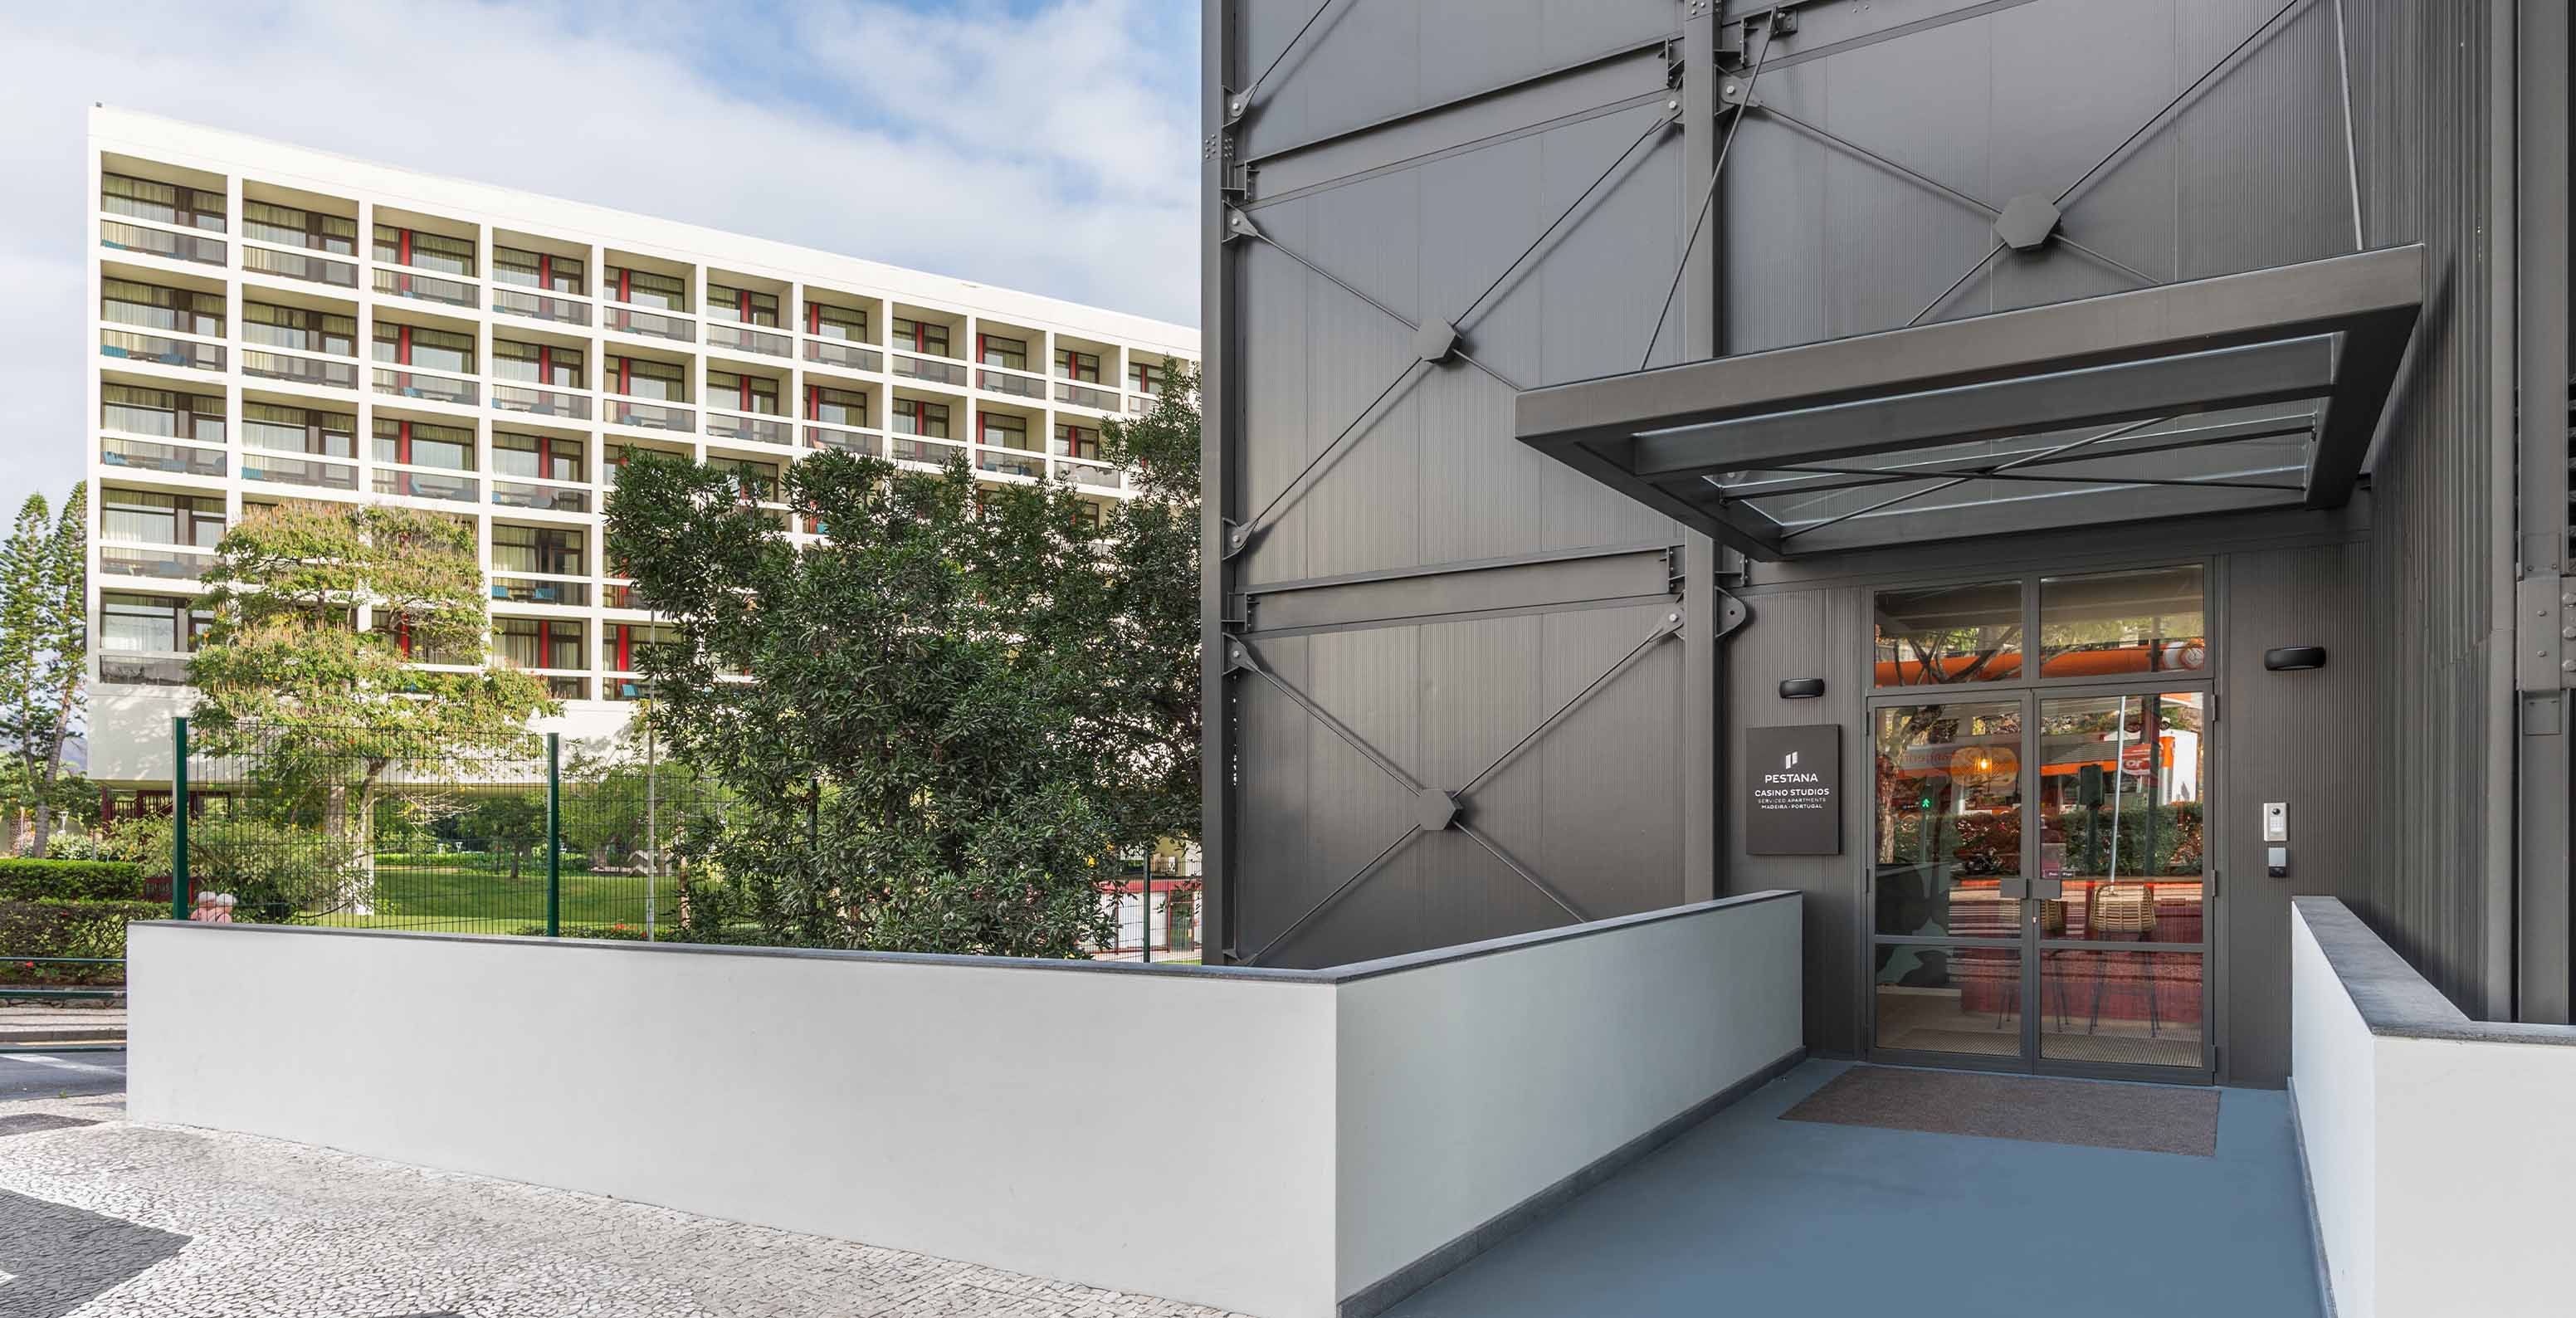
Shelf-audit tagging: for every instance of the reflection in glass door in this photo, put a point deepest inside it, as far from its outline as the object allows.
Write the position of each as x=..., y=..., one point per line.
x=1947, y=884
x=2118, y=815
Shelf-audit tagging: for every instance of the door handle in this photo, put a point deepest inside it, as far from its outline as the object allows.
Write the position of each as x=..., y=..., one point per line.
x=2048, y=890
x=2014, y=889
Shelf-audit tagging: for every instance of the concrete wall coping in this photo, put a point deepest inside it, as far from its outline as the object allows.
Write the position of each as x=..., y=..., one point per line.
x=1328, y=975
x=2395, y=1001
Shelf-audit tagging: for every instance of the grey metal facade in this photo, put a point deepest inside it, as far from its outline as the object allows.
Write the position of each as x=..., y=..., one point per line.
x=1459, y=689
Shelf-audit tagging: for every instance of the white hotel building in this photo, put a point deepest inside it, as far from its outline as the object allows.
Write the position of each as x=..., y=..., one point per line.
x=274, y=323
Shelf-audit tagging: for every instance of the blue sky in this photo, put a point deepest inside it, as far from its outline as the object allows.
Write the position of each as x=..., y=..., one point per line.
x=1047, y=145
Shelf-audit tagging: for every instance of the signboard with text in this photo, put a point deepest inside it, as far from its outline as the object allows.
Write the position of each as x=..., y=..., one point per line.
x=1794, y=790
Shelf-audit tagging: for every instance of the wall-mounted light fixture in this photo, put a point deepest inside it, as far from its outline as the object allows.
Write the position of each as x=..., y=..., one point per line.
x=2294, y=658
x=1801, y=688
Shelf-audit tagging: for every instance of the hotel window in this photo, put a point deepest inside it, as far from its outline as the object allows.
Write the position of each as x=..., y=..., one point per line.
x=154, y=518
x=537, y=457
x=1076, y=442
x=622, y=644
x=754, y=480
x=550, y=549
x=170, y=203
x=1148, y=379
x=299, y=328
x=555, y=274
x=1003, y=431
x=640, y=377
x=539, y=643
x=995, y=350
x=276, y=429
x=921, y=336
x=152, y=624
x=1086, y=517
x=420, y=444
x=413, y=345
x=742, y=304
x=151, y=306
x=1946, y=634
x=833, y=322
x=289, y=226
x=907, y=416
x=643, y=288
x=838, y=407
x=1083, y=366
x=742, y=393
x=537, y=363
x=412, y=645
x=425, y=251
x=2149, y=621
x=162, y=412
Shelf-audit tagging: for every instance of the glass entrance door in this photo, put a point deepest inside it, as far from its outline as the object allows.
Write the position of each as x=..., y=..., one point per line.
x=2037, y=874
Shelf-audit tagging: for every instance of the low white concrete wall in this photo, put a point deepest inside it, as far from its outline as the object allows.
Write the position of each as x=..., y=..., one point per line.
x=1362, y=1117
x=2437, y=1147
x=961, y=1111
x=1468, y=1086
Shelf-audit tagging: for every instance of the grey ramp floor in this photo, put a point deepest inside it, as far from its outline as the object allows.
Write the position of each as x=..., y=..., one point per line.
x=1750, y=1215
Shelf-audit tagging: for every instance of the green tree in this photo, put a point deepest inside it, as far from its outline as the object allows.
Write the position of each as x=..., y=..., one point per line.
x=44, y=648
x=964, y=698
x=513, y=822
x=306, y=671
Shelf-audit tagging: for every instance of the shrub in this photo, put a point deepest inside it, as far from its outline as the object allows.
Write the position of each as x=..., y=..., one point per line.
x=46, y=928
x=631, y=933
x=29, y=879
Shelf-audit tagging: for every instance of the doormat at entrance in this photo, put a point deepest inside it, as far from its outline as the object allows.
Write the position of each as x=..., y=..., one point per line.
x=2102, y=1114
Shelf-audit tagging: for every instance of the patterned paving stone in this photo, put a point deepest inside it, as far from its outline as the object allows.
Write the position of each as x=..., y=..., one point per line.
x=273, y=1228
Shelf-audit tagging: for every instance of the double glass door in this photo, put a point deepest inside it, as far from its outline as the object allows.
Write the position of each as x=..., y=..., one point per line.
x=2038, y=877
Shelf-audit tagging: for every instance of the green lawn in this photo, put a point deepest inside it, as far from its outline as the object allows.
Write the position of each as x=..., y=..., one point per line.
x=468, y=892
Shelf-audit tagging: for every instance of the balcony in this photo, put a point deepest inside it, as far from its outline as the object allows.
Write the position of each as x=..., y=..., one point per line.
x=742, y=338
x=160, y=564
x=929, y=369
x=651, y=416
x=538, y=306
x=299, y=370
x=116, y=670
x=848, y=356
x=545, y=498
x=539, y=402
x=299, y=265
x=533, y=590
x=1090, y=475
x=117, y=236
x=127, y=346
x=282, y=470
x=145, y=455
x=435, y=388
x=426, y=288
x=1139, y=404
x=651, y=325
x=845, y=441
x=1081, y=396
x=905, y=448
x=1010, y=382
x=1010, y=462
x=721, y=425
x=426, y=485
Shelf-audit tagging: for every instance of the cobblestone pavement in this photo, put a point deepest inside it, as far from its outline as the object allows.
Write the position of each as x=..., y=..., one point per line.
x=108, y=1219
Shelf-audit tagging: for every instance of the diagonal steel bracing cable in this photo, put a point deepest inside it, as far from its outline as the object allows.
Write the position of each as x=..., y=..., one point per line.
x=2113, y=433
x=2180, y=98
x=1389, y=312
x=1253, y=525
x=1242, y=100
x=1708, y=199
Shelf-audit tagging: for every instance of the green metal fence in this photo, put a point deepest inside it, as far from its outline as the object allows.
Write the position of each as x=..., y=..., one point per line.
x=354, y=827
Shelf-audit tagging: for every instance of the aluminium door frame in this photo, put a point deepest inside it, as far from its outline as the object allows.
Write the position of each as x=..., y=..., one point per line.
x=2030, y=691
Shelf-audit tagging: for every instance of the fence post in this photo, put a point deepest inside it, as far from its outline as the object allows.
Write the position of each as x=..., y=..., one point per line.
x=179, y=820
x=554, y=835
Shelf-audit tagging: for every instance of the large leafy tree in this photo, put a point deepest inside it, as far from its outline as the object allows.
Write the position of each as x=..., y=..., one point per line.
x=306, y=672
x=44, y=647
x=962, y=700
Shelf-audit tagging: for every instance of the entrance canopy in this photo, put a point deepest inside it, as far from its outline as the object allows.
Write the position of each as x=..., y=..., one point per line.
x=2246, y=391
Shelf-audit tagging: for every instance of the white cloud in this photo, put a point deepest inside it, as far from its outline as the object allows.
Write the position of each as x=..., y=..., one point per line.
x=1051, y=149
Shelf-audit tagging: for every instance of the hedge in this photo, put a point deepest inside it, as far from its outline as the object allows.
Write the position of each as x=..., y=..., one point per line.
x=29, y=879
x=47, y=928
x=613, y=932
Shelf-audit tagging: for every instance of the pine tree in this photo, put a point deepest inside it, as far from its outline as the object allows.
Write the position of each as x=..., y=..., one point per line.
x=22, y=607
x=56, y=695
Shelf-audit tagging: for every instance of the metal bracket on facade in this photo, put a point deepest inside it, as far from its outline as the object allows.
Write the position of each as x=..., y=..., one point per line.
x=2544, y=624
x=1732, y=613
x=1240, y=225
x=1435, y=341
x=1738, y=92
x=1237, y=613
x=1238, y=537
